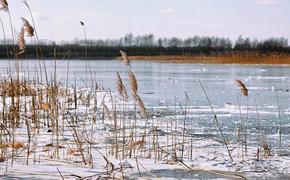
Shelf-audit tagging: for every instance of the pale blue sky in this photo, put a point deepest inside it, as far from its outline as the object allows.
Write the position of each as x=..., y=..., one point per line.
x=59, y=19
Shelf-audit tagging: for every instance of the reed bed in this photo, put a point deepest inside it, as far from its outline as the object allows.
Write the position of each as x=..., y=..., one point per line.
x=230, y=58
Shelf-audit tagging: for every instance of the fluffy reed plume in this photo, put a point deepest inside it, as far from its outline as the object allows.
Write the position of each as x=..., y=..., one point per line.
x=121, y=88
x=133, y=84
x=4, y=5
x=125, y=57
x=244, y=89
x=27, y=28
x=142, y=106
x=21, y=42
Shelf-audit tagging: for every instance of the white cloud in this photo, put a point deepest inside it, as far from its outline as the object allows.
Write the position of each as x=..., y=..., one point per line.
x=187, y=22
x=41, y=17
x=266, y=2
x=167, y=11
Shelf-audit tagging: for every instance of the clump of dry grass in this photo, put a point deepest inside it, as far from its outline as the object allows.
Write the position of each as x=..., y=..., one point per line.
x=16, y=145
x=242, y=86
x=12, y=88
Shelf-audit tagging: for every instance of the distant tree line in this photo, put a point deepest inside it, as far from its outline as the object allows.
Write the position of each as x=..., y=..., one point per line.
x=149, y=45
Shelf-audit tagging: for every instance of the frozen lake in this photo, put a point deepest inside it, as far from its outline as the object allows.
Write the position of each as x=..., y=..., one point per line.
x=165, y=84
x=163, y=88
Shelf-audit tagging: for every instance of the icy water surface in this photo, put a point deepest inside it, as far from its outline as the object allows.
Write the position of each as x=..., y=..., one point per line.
x=165, y=85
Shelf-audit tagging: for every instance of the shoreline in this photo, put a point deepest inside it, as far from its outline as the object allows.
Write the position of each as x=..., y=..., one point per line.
x=283, y=59
x=239, y=58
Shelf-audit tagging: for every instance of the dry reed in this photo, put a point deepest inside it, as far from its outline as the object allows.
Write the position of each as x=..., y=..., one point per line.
x=4, y=5
x=121, y=88
x=125, y=57
x=27, y=28
x=242, y=86
x=21, y=42
x=142, y=106
x=133, y=84
x=230, y=58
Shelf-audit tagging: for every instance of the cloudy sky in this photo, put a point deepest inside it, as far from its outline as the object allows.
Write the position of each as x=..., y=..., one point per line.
x=59, y=19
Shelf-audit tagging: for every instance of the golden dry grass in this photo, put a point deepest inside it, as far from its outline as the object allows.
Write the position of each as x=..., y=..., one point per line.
x=121, y=88
x=233, y=58
x=14, y=88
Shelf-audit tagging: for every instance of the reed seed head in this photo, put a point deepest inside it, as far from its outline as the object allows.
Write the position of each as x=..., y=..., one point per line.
x=21, y=42
x=25, y=3
x=142, y=106
x=28, y=28
x=242, y=86
x=133, y=84
x=4, y=5
x=121, y=88
x=125, y=57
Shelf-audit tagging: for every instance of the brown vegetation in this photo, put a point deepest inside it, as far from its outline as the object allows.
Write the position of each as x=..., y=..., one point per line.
x=233, y=58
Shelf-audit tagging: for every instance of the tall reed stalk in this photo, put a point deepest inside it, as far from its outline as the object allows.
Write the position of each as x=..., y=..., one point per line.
x=225, y=140
x=37, y=39
x=5, y=41
x=244, y=92
x=280, y=122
